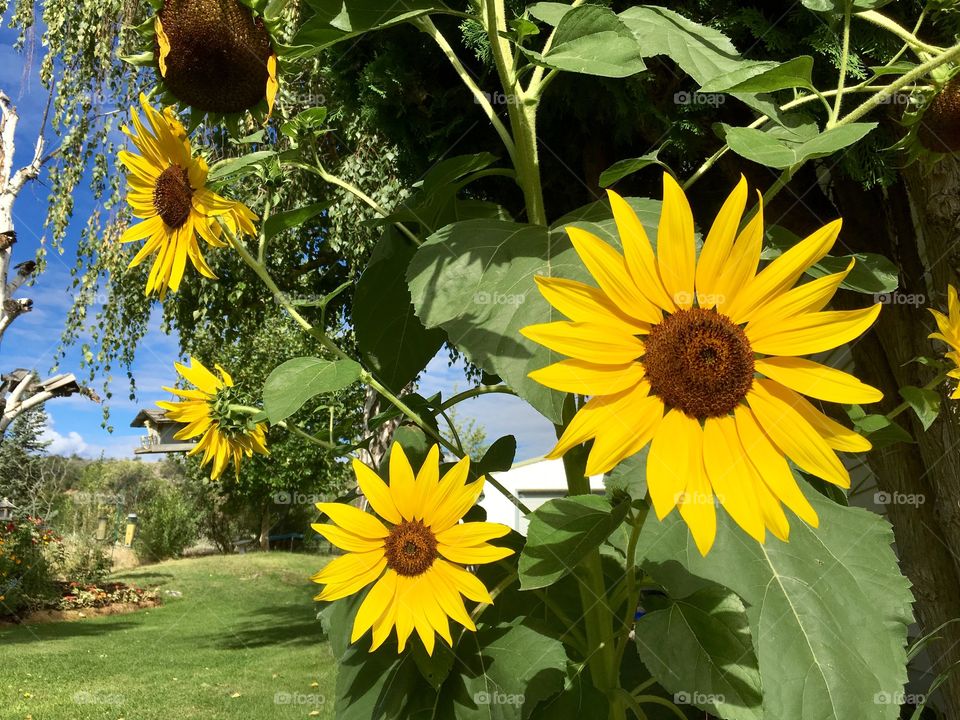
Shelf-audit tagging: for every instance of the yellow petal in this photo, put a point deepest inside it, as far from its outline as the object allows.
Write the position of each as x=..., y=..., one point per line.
x=741, y=266
x=376, y=492
x=809, y=297
x=773, y=516
x=455, y=505
x=637, y=418
x=374, y=604
x=586, y=341
x=727, y=468
x=608, y=268
x=453, y=481
x=771, y=466
x=199, y=376
x=675, y=454
x=818, y=381
x=598, y=412
x=718, y=245
x=273, y=85
x=781, y=274
x=697, y=506
x=449, y=598
x=464, y=582
x=638, y=254
x=585, y=378
x=402, y=487
x=472, y=533
x=836, y=435
x=474, y=555
x=354, y=519
x=676, y=252
x=583, y=303
x=814, y=332
x=346, y=540
x=346, y=568
x=163, y=42
x=794, y=436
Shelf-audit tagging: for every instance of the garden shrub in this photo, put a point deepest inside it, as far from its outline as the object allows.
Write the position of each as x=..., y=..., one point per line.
x=30, y=556
x=168, y=525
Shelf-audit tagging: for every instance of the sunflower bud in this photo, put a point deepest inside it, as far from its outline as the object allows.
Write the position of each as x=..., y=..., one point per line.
x=939, y=128
x=214, y=55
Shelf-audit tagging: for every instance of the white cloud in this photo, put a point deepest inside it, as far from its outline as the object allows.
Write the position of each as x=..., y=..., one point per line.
x=70, y=444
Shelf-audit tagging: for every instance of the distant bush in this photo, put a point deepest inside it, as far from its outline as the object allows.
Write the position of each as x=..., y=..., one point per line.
x=168, y=524
x=30, y=556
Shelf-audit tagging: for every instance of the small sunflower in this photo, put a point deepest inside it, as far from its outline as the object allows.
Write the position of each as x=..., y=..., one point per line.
x=700, y=357
x=168, y=193
x=215, y=55
x=415, y=558
x=206, y=412
x=949, y=327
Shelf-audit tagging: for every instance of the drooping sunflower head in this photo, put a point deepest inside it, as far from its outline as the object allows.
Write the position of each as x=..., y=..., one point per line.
x=949, y=327
x=412, y=550
x=168, y=192
x=206, y=412
x=700, y=357
x=215, y=55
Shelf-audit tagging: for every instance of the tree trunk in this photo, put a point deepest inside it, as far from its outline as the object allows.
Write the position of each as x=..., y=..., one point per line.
x=914, y=224
x=265, y=525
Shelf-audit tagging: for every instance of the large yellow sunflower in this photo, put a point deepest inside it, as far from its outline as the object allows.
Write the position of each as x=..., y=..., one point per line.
x=168, y=192
x=206, y=412
x=415, y=557
x=949, y=327
x=700, y=358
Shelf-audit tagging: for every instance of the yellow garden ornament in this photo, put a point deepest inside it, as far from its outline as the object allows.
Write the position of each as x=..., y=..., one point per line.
x=168, y=192
x=949, y=326
x=412, y=551
x=205, y=411
x=701, y=358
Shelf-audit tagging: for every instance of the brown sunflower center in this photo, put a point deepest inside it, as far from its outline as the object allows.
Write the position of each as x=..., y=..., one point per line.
x=218, y=54
x=411, y=548
x=699, y=362
x=173, y=196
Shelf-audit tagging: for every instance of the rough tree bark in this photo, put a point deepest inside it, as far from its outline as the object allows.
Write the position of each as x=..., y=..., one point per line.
x=915, y=223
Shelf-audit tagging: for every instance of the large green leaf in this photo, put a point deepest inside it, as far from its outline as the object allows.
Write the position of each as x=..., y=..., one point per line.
x=781, y=152
x=338, y=20
x=699, y=648
x=475, y=279
x=281, y=221
x=592, y=40
x=764, y=76
x=294, y=382
x=393, y=343
x=562, y=532
x=828, y=611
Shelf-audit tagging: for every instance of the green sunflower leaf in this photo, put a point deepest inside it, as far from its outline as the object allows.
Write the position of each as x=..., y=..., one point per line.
x=699, y=648
x=768, y=149
x=562, y=532
x=804, y=599
x=294, y=382
x=924, y=402
x=592, y=40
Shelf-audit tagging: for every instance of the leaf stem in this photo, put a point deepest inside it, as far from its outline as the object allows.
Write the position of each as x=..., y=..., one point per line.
x=844, y=61
x=910, y=38
x=941, y=376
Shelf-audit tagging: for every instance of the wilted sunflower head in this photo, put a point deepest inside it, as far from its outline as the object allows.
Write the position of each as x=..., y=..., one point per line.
x=215, y=55
x=939, y=127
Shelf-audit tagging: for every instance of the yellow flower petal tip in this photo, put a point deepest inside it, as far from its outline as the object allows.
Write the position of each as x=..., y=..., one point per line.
x=223, y=437
x=948, y=326
x=167, y=191
x=700, y=357
x=410, y=550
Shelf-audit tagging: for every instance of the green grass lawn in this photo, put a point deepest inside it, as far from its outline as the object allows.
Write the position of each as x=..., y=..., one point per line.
x=242, y=643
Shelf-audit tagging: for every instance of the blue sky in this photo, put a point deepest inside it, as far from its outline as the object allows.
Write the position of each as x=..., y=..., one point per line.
x=32, y=341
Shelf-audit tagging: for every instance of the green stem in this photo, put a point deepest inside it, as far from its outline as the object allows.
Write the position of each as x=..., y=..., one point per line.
x=365, y=376
x=319, y=171
x=537, y=82
x=476, y=392
x=292, y=427
x=941, y=376
x=522, y=111
x=910, y=38
x=598, y=619
x=844, y=61
x=633, y=592
x=426, y=25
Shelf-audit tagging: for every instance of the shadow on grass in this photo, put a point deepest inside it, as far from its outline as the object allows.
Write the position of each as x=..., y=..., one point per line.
x=290, y=625
x=27, y=633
